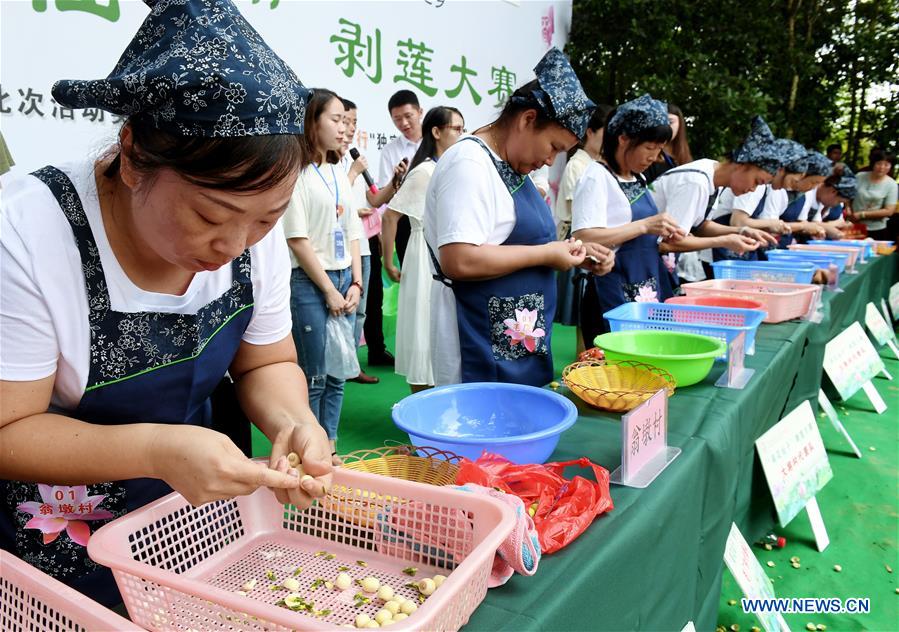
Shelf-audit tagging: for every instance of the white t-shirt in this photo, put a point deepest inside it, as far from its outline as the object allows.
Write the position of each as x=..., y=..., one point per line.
x=599, y=201
x=574, y=169
x=540, y=178
x=312, y=213
x=685, y=194
x=467, y=202
x=813, y=208
x=393, y=152
x=727, y=202
x=358, y=188
x=775, y=204
x=44, y=306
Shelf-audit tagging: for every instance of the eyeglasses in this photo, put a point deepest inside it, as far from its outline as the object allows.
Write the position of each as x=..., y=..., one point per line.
x=459, y=129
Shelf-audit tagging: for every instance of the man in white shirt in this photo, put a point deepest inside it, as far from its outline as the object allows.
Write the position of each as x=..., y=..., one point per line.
x=406, y=114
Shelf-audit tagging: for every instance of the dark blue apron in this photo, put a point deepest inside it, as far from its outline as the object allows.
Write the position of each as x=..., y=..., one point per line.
x=505, y=324
x=639, y=273
x=146, y=367
x=832, y=214
x=791, y=214
x=719, y=254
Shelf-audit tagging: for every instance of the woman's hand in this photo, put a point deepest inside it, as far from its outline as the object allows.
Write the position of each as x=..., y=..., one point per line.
x=761, y=236
x=353, y=295
x=738, y=243
x=392, y=272
x=399, y=172
x=359, y=165
x=204, y=465
x=310, y=443
x=600, y=260
x=778, y=227
x=365, y=211
x=564, y=255
x=664, y=226
x=336, y=302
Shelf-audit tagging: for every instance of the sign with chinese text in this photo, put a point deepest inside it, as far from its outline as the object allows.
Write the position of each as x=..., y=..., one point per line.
x=794, y=461
x=467, y=55
x=851, y=361
x=894, y=300
x=644, y=443
x=751, y=577
x=879, y=328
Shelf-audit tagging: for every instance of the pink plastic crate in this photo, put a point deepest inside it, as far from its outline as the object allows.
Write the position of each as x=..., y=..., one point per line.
x=32, y=600
x=852, y=251
x=178, y=567
x=782, y=301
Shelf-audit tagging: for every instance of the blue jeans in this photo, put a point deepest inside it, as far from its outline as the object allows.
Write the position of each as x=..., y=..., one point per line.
x=360, y=311
x=309, y=312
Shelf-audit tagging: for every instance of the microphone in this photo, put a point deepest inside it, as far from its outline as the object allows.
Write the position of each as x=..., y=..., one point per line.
x=354, y=154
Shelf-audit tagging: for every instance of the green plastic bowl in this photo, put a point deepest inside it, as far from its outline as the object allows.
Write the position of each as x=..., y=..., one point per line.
x=688, y=357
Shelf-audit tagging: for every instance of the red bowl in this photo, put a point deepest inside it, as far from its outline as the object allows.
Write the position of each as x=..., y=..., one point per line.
x=716, y=301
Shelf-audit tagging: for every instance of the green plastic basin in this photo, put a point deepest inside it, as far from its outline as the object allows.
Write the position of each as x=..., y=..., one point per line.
x=688, y=357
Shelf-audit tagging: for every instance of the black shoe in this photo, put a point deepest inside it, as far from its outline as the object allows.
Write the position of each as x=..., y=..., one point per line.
x=365, y=378
x=385, y=358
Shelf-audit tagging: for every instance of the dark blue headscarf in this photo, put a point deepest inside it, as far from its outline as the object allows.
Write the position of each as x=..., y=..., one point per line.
x=560, y=95
x=760, y=148
x=818, y=164
x=197, y=68
x=633, y=117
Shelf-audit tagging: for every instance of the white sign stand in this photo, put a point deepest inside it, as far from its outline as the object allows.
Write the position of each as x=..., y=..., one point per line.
x=851, y=362
x=751, y=578
x=886, y=312
x=645, y=452
x=880, y=331
x=796, y=467
x=831, y=413
x=894, y=300
x=736, y=376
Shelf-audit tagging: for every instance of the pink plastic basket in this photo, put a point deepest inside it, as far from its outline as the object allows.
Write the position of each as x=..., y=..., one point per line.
x=32, y=600
x=852, y=251
x=179, y=567
x=782, y=301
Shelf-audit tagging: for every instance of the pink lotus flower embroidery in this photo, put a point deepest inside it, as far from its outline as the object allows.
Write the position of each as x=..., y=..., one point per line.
x=522, y=329
x=646, y=295
x=64, y=508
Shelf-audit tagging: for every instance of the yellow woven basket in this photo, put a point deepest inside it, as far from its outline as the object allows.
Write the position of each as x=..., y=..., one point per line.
x=885, y=249
x=429, y=465
x=618, y=386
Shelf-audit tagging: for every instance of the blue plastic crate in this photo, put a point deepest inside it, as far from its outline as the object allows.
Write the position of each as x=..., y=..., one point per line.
x=724, y=323
x=821, y=259
x=869, y=246
x=779, y=272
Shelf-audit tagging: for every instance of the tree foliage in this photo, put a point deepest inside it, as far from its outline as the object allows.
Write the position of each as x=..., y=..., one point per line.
x=816, y=69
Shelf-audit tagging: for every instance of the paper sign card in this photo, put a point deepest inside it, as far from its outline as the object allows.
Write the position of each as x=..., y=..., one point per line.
x=644, y=443
x=751, y=578
x=894, y=301
x=794, y=461
x=879, y=328
x=737, y=376
x=850, y=361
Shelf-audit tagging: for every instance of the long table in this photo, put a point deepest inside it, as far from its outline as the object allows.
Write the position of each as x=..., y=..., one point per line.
x=655, y=561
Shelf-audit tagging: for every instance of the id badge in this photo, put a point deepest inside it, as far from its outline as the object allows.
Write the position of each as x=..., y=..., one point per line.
x=339, y=245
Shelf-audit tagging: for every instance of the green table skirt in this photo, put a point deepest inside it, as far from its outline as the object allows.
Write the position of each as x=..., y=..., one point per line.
x=656, y=560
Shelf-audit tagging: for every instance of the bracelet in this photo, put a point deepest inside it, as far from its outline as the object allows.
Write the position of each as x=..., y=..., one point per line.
x=861, y=215
x=358, y=284
x=742, y=230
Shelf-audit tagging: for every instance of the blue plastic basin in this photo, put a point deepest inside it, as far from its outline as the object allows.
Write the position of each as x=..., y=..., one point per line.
x=522, y=423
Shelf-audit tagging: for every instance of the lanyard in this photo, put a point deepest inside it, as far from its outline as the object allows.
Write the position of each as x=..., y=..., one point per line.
x=336, y=188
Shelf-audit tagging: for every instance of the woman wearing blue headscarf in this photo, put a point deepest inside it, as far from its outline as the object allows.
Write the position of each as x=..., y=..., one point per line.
x=492, y=238
x=612, y=206
x=132, y=284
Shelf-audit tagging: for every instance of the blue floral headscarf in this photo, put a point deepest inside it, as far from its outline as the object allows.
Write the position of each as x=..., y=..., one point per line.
x=847, y=185
x=760, y=148
x=633, y=117
x=818, y=164
x=561, y=96
x=197, y=68
x=794, y=156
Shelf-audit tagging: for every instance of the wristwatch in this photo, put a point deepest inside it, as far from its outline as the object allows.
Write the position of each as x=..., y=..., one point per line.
x=358, y=284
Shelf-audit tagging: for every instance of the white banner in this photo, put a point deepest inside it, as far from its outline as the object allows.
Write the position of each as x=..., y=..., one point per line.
x=467, y=54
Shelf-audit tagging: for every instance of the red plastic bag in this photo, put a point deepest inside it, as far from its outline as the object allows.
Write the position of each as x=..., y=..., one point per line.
x=565, y=508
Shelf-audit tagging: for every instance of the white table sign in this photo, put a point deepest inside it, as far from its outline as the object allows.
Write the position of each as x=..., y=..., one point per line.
x=644, y=443
x=795, y=462
x=880, y=330
x=894, y=300
x=736, y=376
x=851, y=362
x=751, y=578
